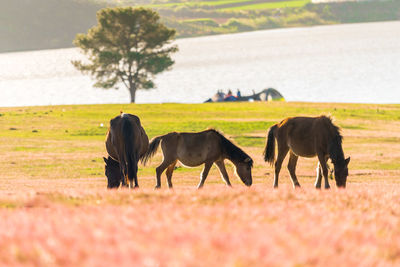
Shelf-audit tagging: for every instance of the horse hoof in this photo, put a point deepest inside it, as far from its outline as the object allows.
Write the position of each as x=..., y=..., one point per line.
x=157, y=187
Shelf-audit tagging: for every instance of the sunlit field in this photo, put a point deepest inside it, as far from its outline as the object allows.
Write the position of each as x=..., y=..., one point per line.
x=55, y=208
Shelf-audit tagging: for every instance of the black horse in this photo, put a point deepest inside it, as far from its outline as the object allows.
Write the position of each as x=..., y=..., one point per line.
x=126, y=143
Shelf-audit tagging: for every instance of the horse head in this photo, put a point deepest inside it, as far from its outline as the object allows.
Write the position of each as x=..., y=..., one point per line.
x=112, y=172
x=341, y=172
x=243, y=170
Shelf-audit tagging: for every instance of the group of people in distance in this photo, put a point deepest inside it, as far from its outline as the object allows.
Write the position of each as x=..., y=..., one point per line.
x=221, y=96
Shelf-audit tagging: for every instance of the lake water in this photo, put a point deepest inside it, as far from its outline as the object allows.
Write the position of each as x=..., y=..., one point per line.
x=338, y=63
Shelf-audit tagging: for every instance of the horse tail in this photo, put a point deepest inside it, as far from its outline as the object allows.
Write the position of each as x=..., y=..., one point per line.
x=144, y=142
x=153, y=146
x=130, y=156
x=269, y=151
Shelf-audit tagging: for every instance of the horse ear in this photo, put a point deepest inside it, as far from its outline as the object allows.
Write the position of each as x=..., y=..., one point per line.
x=105, y=160
x=347, y=161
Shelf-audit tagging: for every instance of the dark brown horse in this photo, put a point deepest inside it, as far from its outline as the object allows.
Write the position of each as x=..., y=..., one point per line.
x=126, y=143
x=194, y=149
x=307, y=137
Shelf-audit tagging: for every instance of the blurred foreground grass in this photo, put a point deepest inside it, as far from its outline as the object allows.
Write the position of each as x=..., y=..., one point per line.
x=56, y=210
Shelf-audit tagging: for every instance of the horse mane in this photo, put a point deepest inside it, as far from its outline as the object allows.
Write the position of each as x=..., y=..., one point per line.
x=335, y=145
x=233, y=152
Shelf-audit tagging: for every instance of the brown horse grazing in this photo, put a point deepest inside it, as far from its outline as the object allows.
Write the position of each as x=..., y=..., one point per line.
x=194, y=149
x=126, y=143
x=307, y=137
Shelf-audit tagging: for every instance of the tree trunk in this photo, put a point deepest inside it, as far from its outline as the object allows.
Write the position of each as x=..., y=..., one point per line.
x=132, y=90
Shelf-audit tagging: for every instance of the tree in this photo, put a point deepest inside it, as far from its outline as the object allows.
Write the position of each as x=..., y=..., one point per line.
x=127, y=45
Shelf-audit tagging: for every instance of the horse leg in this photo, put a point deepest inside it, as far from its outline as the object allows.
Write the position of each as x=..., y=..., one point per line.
x=135, y=177
x=319, y=177
x=221, y=166
x=322, y=161
x=131, y=183
x=124, y=181
x=123, y=170
x=282, y=152
x=292, y=169
x=327, y=186
x=204, y=173
x=159, y=170
x=169, y=172
x=123, y=177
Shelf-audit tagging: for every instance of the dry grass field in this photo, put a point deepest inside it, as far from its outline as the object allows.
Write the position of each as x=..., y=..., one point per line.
x=55, y=209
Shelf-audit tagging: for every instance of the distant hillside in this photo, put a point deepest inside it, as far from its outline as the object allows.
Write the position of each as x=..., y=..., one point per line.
x=44, y=24
x=40, y=24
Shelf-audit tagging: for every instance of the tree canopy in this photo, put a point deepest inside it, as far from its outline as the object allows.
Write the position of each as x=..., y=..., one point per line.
x=129, y=46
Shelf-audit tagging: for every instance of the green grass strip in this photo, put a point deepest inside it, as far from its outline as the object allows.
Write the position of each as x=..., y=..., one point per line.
x=272, y=5
x=200, y=3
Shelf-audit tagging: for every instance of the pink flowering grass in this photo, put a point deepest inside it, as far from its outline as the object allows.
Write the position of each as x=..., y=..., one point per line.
x=55, y=210
x=216, y=226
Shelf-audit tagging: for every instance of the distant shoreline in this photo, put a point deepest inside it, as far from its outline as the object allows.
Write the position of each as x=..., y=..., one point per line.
x=205, y=36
